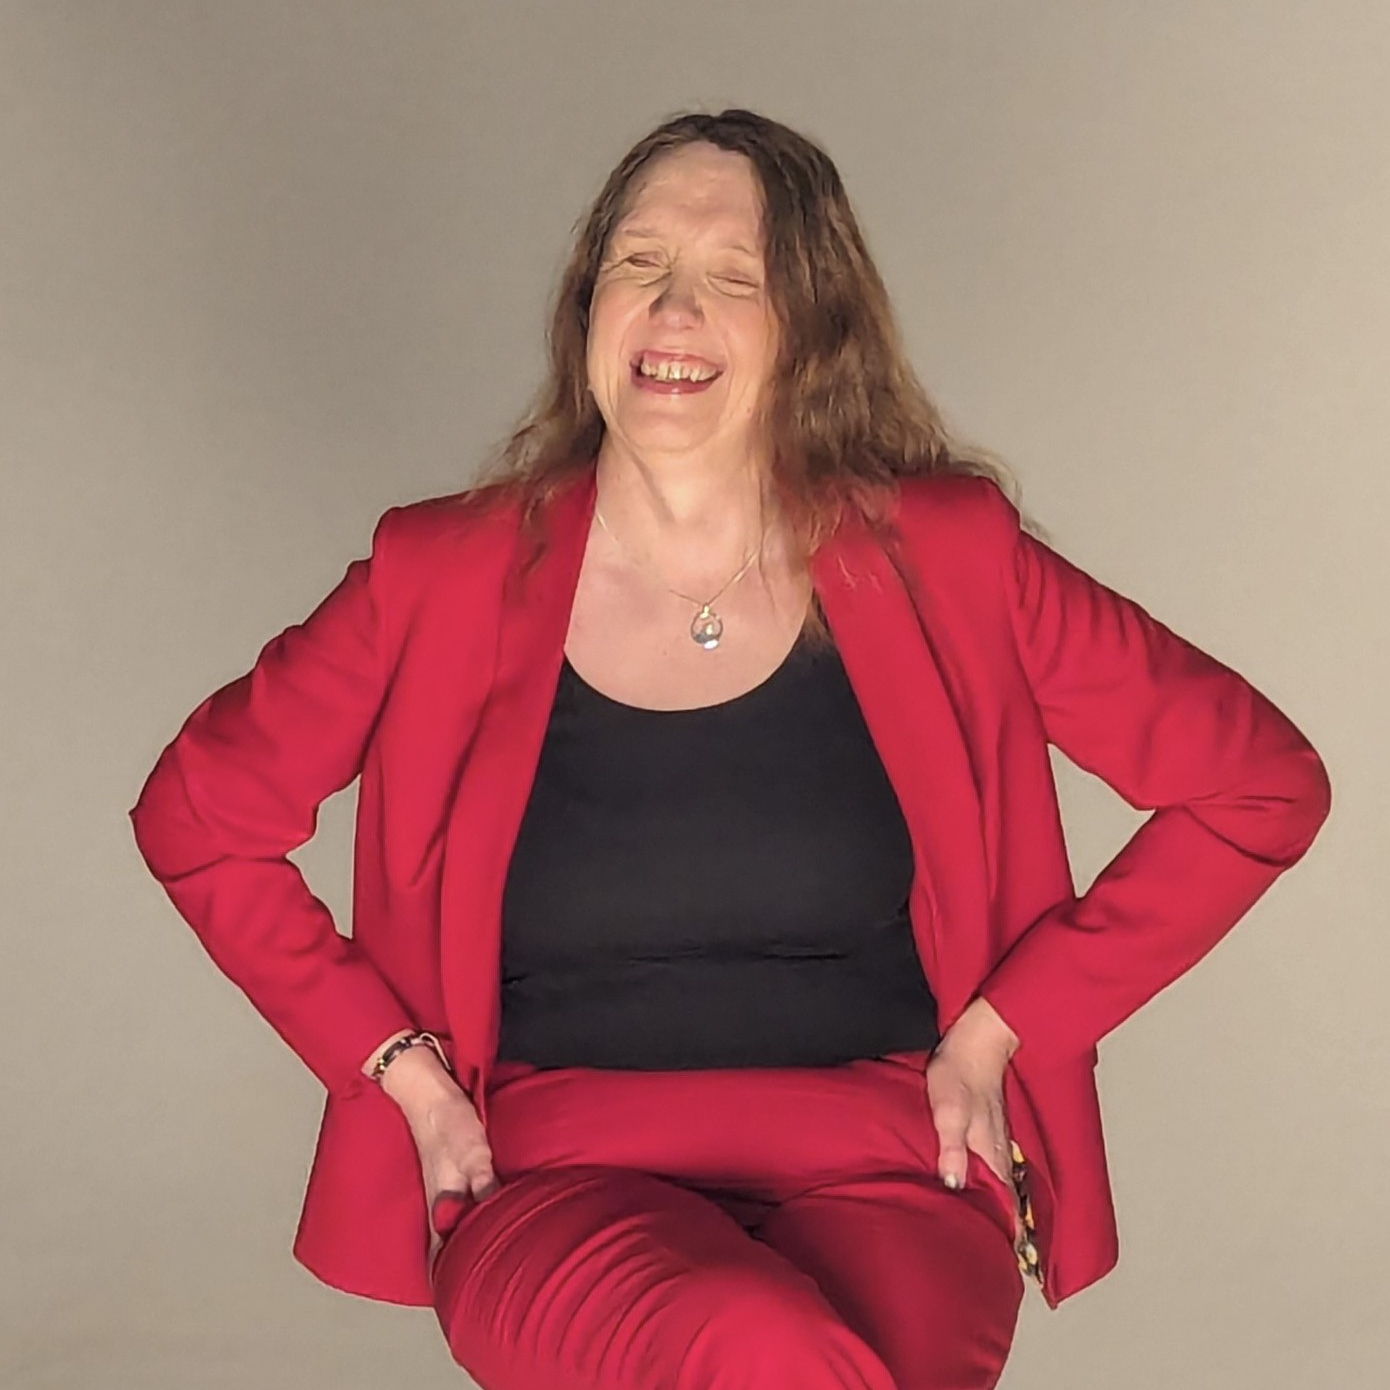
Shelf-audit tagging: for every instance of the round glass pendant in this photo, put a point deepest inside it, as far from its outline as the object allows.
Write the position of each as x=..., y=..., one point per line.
x=707, y=627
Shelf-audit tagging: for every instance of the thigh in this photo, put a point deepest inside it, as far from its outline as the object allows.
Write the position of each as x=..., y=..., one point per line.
x=926, y=1277
x=590, y=1278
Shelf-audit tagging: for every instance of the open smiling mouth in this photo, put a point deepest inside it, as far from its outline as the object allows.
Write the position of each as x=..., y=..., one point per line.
x=674, y=376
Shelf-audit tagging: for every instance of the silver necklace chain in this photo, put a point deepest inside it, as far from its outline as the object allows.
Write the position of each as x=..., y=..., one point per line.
x=706, y=627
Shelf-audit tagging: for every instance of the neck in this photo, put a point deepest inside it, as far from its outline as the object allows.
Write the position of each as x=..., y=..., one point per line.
x=679, y=507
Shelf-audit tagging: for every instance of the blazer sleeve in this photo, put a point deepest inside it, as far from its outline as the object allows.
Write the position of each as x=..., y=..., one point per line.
x=1237, y=795
x=239, y=787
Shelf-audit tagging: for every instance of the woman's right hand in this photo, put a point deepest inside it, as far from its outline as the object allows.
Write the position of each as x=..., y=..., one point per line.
x=455, y=1156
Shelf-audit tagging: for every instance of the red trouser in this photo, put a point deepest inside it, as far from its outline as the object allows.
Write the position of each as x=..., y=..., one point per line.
x=732, y=1229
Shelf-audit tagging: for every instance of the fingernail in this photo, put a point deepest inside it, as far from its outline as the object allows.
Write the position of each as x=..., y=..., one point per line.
x=446, y=1212
x=951, y=1181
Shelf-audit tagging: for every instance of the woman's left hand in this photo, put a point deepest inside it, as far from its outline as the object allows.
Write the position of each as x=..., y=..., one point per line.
x=965, y=1089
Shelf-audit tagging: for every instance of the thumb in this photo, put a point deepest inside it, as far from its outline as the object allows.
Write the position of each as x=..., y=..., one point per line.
x=952, y=1157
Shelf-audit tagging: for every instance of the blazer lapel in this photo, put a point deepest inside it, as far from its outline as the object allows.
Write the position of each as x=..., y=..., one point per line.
x=887, y=644
x=501, y=767
x=890, y=656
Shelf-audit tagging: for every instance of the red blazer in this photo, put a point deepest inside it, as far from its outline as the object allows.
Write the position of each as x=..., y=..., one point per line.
x=429, y=672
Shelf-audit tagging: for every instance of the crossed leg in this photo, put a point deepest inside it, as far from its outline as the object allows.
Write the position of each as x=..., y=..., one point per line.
x=926, y=1277
x=599, y=1278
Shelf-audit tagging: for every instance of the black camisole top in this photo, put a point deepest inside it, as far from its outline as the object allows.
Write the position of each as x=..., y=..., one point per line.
x=716, y=887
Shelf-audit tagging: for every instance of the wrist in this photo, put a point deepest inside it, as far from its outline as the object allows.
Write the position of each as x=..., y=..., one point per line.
x=980, y=1029
x=416, y=1078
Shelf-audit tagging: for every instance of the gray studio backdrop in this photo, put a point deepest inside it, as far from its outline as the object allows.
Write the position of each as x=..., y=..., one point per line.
x=267, y=268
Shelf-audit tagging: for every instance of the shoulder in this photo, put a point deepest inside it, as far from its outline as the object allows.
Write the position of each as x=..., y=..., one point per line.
x=471, y=514
x=411, y=538
x=956, y=516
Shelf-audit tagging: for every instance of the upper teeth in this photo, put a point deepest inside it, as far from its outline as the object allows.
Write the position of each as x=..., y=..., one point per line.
x=675, y=371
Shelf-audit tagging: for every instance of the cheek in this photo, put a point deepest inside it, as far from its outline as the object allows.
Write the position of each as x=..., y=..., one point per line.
x=608, y=319
x=756, y=344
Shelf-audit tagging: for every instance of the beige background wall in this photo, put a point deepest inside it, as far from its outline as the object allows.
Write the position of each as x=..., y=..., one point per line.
x=267, y=268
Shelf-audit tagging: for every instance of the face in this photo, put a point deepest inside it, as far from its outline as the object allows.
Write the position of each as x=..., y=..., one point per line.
x=682, y=337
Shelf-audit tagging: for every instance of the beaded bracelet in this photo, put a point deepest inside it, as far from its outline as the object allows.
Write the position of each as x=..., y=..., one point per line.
x=403, y=1044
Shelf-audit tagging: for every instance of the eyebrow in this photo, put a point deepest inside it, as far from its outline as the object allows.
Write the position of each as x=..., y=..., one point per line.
x=650, y=234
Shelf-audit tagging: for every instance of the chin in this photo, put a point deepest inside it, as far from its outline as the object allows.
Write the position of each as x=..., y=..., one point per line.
x=649, y=443
x=667, y=435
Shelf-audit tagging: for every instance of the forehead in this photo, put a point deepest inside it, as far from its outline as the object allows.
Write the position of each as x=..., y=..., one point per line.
x=696, y=190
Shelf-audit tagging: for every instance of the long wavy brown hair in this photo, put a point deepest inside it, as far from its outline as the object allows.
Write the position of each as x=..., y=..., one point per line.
x=846, y=415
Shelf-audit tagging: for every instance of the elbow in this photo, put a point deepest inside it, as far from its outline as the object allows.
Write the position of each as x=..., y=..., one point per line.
x=164, y=825
x=1274, y=814
x=1315, y=795
x=1299, y=806
x=150, y=826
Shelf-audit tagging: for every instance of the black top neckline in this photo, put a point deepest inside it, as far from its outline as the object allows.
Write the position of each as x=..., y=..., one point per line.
x=735, y=702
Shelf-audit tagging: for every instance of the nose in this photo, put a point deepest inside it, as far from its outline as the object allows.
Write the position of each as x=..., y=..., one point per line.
x=678, y=301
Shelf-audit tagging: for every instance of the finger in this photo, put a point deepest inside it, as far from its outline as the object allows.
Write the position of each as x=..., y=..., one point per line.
x=988, y=1137
x=447, y=1210
x=995, y=1152
x=952, y=1155
x=484, y=1183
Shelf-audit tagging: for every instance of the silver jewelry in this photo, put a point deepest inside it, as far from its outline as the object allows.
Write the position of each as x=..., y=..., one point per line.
x=706, y=627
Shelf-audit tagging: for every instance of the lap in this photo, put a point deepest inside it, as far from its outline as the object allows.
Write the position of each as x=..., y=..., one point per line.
x=588, y=1277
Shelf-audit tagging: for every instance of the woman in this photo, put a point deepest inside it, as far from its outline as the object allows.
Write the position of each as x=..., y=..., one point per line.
x=719, y=1011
